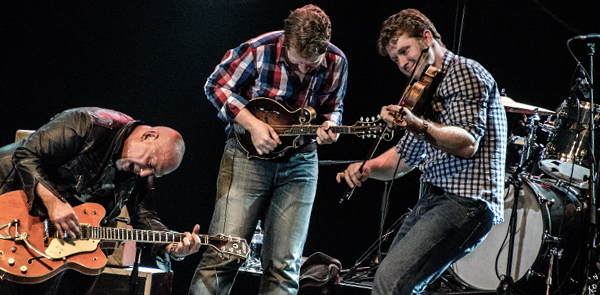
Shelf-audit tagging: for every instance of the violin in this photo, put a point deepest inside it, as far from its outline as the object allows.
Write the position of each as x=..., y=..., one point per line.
x=418, y=96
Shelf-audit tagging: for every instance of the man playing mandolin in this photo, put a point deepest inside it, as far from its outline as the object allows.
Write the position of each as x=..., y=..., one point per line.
x=299, y=68
x=81, y=156
x=461, y=145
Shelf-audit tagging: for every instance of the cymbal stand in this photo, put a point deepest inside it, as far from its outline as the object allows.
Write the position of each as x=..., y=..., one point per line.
x=533, y=123
x=506, y=283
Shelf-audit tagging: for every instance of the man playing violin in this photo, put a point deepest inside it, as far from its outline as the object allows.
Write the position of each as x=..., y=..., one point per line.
x=461, y=149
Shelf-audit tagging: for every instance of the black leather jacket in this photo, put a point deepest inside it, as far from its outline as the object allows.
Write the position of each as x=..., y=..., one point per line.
x=74, y=157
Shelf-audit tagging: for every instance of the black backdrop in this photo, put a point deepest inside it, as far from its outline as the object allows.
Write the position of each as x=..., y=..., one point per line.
x=150, y=59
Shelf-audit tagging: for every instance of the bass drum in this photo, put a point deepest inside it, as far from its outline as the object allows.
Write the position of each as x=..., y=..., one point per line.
x=548, y=218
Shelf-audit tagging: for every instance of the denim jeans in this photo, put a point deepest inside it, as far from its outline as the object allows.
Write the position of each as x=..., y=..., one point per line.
x=282, y=194
x=440, y=230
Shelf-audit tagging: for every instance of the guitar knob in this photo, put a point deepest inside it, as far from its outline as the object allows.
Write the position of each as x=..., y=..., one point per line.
x=11, y=261
x=23, y=269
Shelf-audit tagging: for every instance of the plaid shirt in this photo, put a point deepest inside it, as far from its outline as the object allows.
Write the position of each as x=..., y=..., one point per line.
x=257, y=68
x=471, y=101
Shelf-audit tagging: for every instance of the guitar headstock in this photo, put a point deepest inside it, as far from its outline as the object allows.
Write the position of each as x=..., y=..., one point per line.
x=229, y=246
x=371, y=128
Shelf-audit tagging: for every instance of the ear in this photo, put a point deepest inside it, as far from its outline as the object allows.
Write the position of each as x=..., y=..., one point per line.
x=150, y=135
x=427, y=38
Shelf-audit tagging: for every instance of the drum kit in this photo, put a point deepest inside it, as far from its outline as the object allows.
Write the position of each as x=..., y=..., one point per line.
x=548, y=250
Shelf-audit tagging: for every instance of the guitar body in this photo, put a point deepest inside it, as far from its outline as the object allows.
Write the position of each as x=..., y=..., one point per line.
x=275, y=114
x=26, y=258
x=20, y=264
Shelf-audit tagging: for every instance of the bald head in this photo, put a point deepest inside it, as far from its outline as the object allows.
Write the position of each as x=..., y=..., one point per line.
x=150, y=150
x=171, y=147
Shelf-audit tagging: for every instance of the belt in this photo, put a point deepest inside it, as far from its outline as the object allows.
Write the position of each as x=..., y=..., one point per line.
x=434, y=190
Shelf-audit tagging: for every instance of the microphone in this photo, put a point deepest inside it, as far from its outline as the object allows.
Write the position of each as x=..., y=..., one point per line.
x=588, y=37
x=580, y=84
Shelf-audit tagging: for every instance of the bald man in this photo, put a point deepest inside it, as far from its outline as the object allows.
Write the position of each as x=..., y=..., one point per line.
x=93, y=155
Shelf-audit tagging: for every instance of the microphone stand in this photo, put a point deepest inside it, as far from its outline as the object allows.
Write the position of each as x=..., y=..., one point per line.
x=507, y=282
x=592, y=181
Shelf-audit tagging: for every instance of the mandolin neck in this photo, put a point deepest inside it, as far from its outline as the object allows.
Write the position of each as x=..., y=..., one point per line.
x=297, y=130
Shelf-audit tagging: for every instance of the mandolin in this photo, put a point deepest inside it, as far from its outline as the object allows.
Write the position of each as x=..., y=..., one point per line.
x=291, y=124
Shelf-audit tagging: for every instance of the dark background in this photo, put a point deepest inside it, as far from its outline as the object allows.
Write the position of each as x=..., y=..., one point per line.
x=150, y=59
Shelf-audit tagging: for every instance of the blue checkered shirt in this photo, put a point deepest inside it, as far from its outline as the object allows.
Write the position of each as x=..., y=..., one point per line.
x=470, y=99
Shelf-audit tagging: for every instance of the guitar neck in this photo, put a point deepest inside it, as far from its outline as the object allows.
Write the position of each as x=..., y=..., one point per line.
x=137, y=235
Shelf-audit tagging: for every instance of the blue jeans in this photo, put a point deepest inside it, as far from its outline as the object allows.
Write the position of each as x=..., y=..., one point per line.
x=440, y=230
x=282, y=194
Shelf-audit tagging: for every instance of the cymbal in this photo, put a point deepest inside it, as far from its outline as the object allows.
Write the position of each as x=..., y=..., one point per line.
x=512, y=106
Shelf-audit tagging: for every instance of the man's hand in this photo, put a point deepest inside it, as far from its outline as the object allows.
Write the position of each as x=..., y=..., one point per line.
x=189, y=245
x=353, y=175
x=61, y=214
x=396, y=115
x=325, y=135
x=264, y=137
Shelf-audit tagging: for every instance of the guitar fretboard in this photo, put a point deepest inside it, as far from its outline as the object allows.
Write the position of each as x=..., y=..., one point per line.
x=137, y=235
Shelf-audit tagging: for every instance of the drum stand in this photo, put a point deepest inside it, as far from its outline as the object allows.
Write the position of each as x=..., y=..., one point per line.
x=507, y=283
x=534, y=121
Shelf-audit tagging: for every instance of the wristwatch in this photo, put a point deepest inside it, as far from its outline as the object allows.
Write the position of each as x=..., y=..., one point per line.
x=423, y=132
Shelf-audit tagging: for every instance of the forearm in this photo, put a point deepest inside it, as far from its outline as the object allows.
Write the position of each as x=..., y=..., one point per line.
x=384, y=166
x=451, y=139
x=47, y=197
x=246, y=119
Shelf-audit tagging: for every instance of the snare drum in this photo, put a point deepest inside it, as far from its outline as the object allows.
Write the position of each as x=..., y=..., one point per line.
x=568, y=154
x=547, y=219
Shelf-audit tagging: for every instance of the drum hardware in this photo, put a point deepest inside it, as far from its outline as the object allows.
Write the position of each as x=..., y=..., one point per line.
x=549, y=238
x=568, y=189
x=568, y=155
x=553, y=252
x=543, y=200
x=507, y=282
x=532, y=274
x=546, y=219
x=532, y=137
